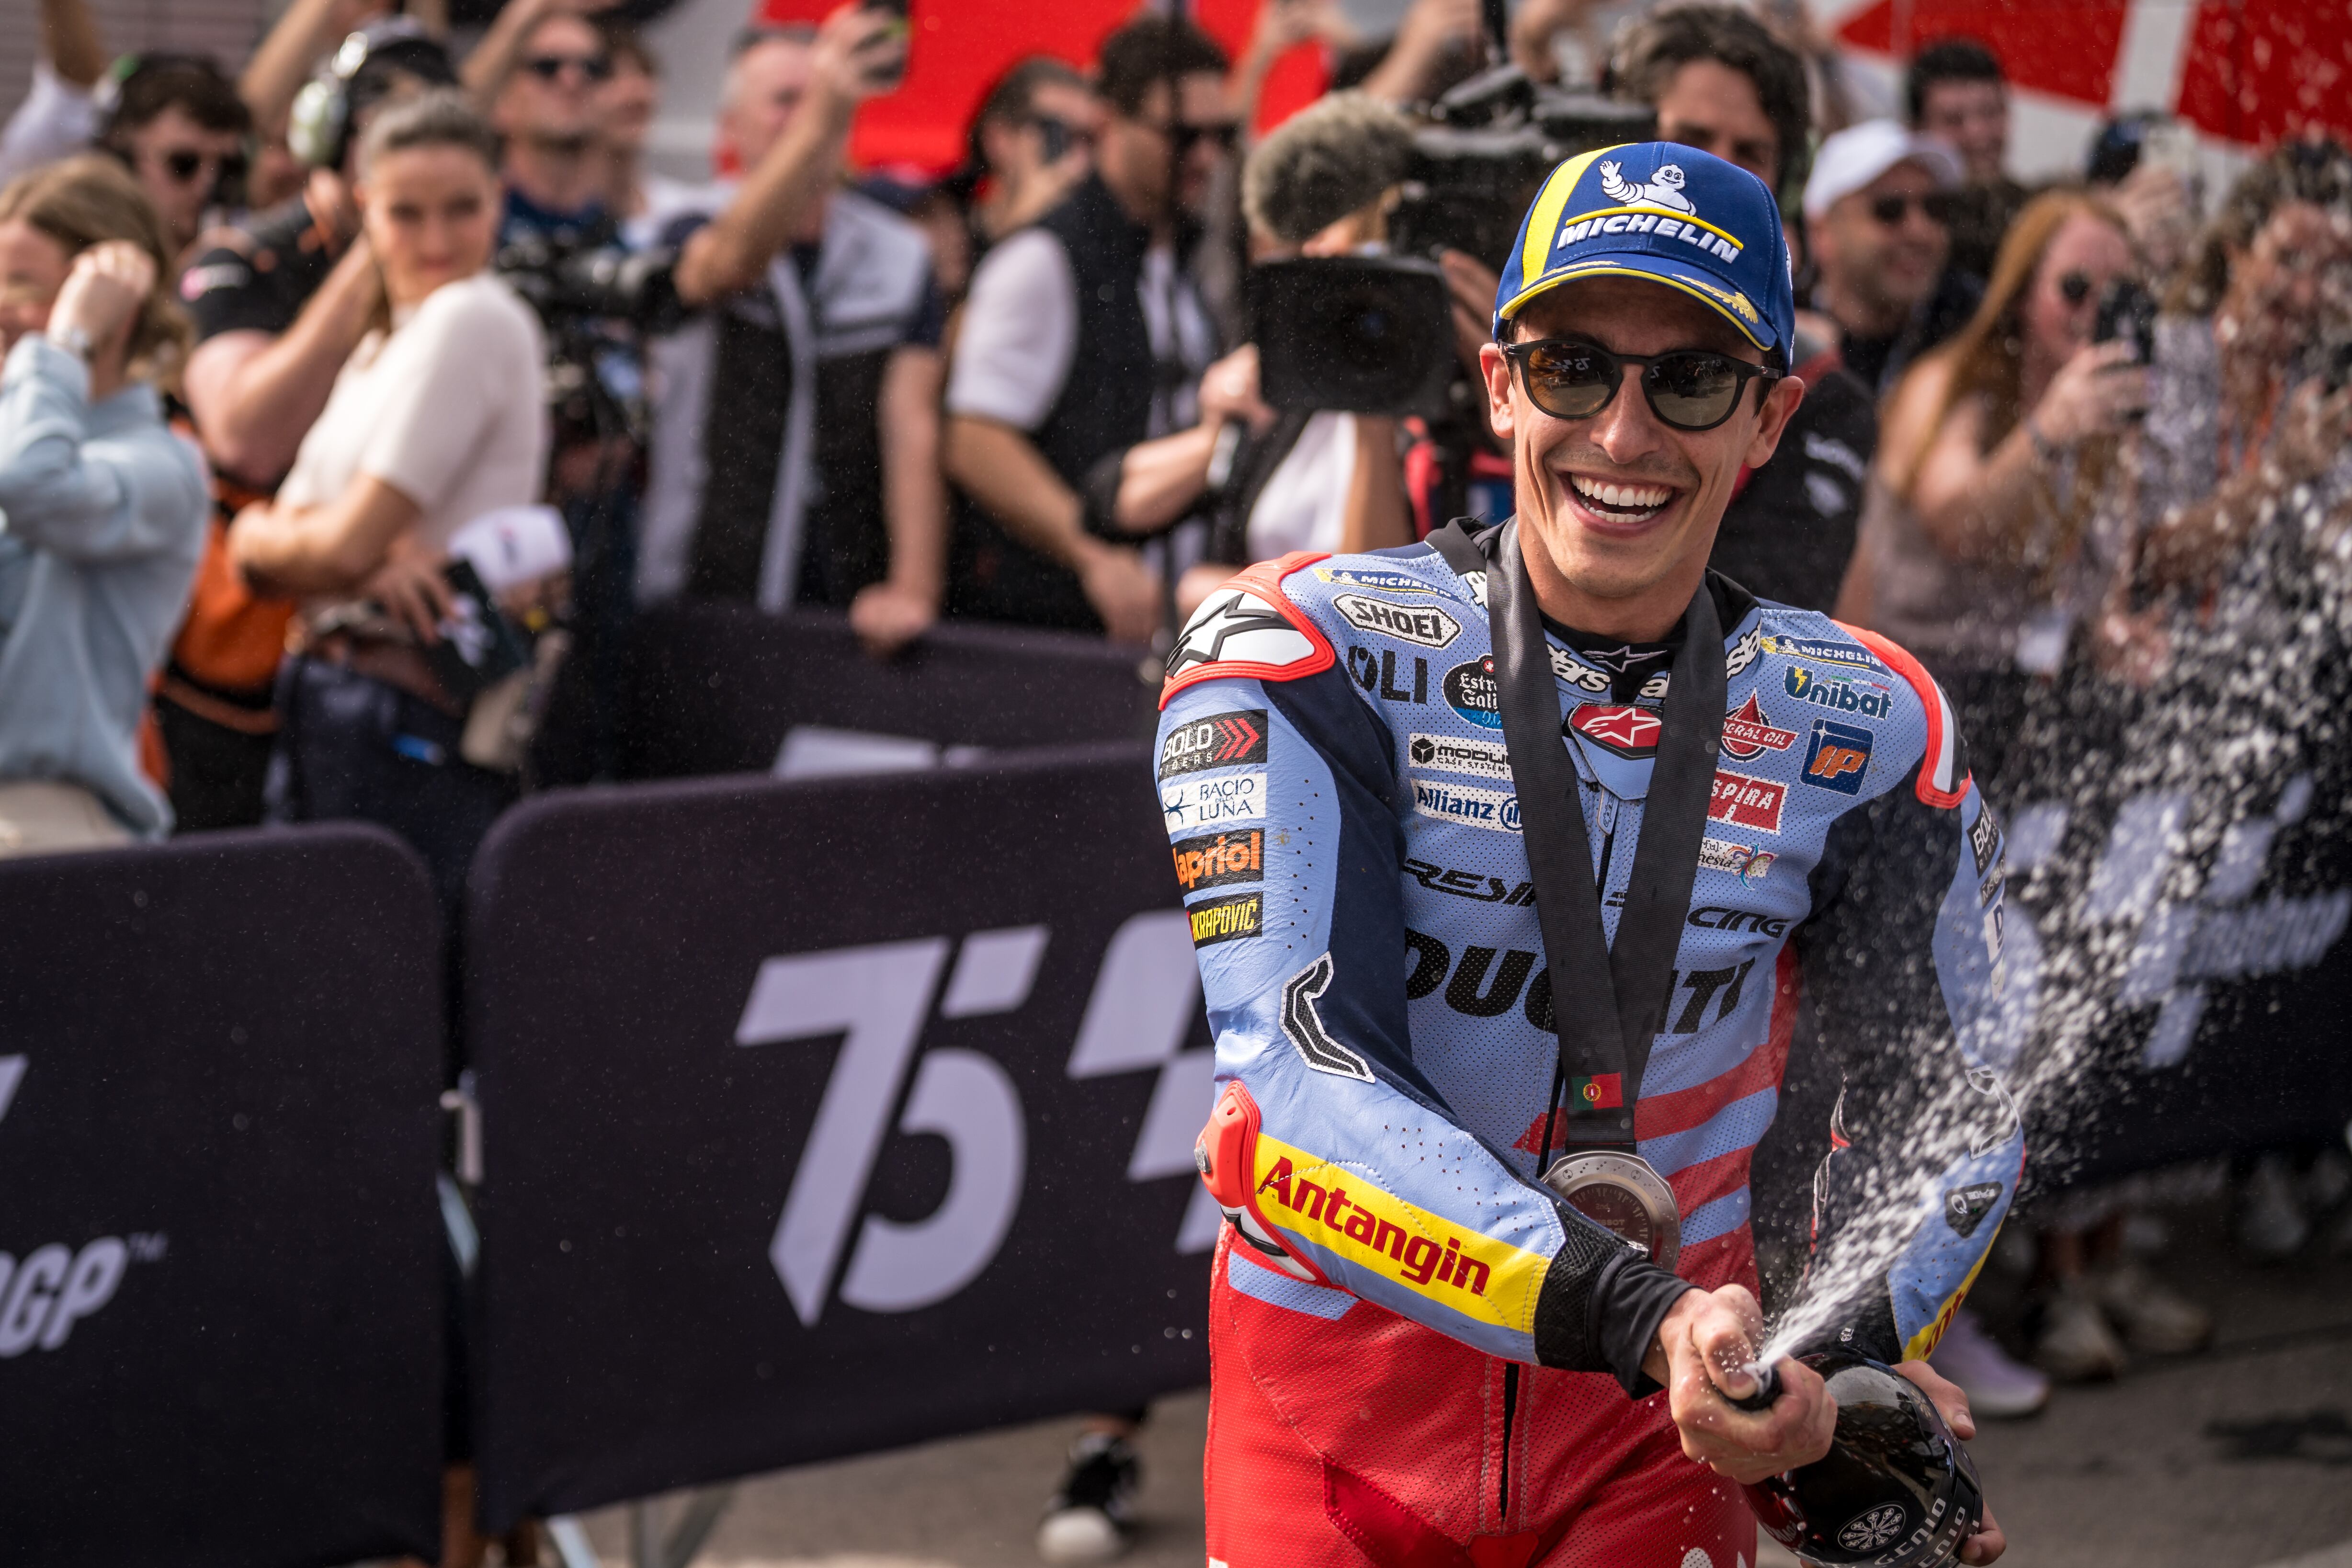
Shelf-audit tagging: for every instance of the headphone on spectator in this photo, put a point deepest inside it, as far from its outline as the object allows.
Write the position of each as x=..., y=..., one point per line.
x=319, y=125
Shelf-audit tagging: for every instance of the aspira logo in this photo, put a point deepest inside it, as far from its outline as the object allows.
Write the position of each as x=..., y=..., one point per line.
x=878, y=1000
x=52, y=1288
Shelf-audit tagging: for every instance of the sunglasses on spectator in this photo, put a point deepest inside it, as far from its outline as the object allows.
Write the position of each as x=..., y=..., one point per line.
x=548, y=68
x=1889, y=209
x=1690, y=389
x=1185, y=136
x=2075, y=286
x=183, y=165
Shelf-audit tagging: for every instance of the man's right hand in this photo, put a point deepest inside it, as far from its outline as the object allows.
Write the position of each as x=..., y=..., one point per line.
x=860, y=54
x=1701, y=1354
x=1123, y=592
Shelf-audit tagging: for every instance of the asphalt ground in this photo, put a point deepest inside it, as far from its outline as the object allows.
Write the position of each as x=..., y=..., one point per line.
x=2237, y=1457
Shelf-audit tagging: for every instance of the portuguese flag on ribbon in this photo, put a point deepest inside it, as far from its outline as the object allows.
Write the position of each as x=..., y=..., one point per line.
x=1598, y=1092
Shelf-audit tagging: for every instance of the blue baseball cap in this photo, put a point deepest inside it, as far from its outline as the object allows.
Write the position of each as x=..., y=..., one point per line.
x=1663, y=212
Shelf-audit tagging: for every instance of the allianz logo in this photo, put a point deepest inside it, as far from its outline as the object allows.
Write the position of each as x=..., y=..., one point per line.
x=881, y=1001
x=52, y=1288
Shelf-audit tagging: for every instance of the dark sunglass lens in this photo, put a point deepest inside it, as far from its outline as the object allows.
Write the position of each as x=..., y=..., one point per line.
x=1692, y=390
x=1889, y=210
x=1939, y=206
x=1570, y=381
x=2075, y=286
x=598, y=70
x=183, y=165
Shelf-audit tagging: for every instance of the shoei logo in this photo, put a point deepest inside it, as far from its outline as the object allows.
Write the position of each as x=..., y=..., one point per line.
x=57, y=1286
x=879, y=1001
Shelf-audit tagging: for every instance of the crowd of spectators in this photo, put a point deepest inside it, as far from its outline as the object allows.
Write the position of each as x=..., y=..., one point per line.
x=426, y=311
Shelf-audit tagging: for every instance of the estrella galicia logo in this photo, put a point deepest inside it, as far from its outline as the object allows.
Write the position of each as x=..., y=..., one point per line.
x=1838, y=757
x=1218, y=740
x=1472, y=692
x=1867, y=699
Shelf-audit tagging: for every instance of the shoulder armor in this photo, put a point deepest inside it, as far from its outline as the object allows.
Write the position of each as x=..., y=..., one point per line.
x=1941, y=783
x=1248, y=630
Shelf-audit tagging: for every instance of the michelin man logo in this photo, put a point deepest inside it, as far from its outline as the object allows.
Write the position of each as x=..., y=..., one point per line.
x=1664, y=189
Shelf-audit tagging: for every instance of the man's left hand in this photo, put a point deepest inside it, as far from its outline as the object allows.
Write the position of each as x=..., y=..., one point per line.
x=1952, y=1404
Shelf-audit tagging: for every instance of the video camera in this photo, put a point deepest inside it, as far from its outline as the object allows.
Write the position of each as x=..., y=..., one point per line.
x=598, y=300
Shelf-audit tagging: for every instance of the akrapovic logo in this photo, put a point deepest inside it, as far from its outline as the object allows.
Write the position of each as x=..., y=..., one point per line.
x=53, y=1287
x=879, y=1001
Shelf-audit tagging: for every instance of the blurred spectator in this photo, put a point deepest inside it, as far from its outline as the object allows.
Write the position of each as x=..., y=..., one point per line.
x=174, y=120
x=1720, y=82
x=1031, y=145
x=280, y=302
x=1439, y=44
x=543, y=69
x=287, y=59
x=1955, y=92
x=796, y=456
x=439, y=418
x=2145, y=163
x=101, y=508
x=1281, y=26
x=1085, y=334
x=644, y=200
x=1997, y=447
x=1875, y=230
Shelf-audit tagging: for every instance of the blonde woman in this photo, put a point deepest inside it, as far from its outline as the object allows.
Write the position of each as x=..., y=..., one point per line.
x=102, y=508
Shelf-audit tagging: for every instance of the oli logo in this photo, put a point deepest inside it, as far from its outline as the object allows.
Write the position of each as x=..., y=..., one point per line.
x=878, y=1001
x=54, y=1287
x=1838, y=756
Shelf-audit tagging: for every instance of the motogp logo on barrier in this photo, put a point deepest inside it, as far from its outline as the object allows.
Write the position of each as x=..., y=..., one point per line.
x=53, y=1287
x=878, y=1000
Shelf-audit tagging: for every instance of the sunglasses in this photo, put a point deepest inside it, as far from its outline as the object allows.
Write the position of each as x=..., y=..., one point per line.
x=549, y=67
x=1690, y=389
x=1186, y=135
x=1889, y=209
x=183, y=165
x=2074, y=287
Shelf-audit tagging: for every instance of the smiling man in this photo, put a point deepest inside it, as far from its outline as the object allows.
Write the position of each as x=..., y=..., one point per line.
x=1507, y=860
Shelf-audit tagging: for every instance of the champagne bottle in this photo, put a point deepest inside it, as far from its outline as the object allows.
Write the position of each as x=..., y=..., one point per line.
x=1896, y=1490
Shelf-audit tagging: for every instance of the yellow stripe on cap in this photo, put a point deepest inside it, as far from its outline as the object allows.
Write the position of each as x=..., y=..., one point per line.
x=1543, y=219
x=1607, y=269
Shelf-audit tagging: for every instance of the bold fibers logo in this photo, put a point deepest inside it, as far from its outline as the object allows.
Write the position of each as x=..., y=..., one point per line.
x=877, y=1002
x=1214, y=860
x=1838, y=757
x=1747, y=732
x=1478, y=807
x=1746, y=802
x=1204, y=803
x=1449, y=754
x=1423, y=623
x=1629, y=732
x=1219, y=740
x=1747, y=864
x=57, y=1286
x=1984, y=837
x=1228, y=919
x=1471, y=691
x=1843, y=693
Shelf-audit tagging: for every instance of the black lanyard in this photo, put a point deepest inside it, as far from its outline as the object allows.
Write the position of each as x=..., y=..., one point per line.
x=1608, y=1003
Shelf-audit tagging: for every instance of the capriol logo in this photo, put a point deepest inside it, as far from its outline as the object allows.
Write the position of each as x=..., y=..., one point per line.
x=1333, y=1208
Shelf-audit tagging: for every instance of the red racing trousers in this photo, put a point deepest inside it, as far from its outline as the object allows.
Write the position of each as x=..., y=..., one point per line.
x=1340, y=1433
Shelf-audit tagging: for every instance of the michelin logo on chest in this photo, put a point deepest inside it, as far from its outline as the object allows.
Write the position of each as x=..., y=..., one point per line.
x=1189, y=804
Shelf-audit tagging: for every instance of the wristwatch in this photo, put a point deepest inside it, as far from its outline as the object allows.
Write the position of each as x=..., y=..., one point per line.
x=74, y=339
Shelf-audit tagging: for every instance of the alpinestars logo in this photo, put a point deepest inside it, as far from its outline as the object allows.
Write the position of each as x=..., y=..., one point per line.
x=56, y=1286
x=877, y=1001
x=1236, y=626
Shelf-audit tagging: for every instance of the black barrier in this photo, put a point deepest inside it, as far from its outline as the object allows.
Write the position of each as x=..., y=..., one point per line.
x=828, y=1115
x=221, y=1301
x=714, y=689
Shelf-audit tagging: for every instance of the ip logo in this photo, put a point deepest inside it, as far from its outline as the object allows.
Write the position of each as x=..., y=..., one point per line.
x=1838, y=756
x=879, y=1000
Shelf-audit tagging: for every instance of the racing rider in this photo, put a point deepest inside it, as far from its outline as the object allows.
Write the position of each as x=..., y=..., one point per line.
x=1420, y=1354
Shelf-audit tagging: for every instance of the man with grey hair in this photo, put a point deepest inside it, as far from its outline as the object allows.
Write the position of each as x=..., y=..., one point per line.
x=795, y=450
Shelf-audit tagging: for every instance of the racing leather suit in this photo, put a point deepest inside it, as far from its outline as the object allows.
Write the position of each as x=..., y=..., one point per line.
x=1418, y=1356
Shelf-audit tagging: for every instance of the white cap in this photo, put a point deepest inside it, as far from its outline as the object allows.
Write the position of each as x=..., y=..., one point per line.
x=1860, y=154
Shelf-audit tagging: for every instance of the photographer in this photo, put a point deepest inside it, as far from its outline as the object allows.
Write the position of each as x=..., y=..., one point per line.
x=279, y=302
x=1086, y=334
x=1319, y=185
x=102, y=510
x=439, y=419
x=796, y=457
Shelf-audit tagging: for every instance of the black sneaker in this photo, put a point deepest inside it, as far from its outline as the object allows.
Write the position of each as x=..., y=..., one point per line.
x=1091, y=1518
